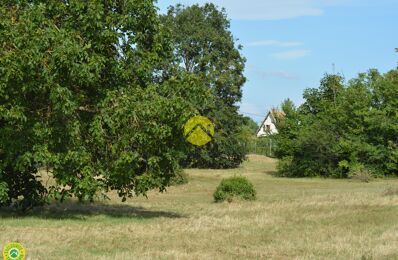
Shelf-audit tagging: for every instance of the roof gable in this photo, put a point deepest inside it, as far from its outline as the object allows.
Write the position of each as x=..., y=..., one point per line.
x=273, y=113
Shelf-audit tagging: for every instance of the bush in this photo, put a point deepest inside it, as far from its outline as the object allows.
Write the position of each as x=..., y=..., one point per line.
x=284, y=167
x=233, y=187
x=362, y=176
x=359, y=172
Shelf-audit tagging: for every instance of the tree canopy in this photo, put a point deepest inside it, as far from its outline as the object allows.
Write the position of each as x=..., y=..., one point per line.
x=342, y=128
x=204, y=46
x=80, y=94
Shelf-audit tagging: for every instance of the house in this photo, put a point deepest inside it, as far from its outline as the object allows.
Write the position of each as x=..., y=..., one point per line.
x=268, y=126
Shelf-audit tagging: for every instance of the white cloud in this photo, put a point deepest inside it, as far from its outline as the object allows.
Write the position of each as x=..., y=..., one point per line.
x=266, y=74
x=290, y=55
x=274, y=43
x=279, y=74
x=265, y=9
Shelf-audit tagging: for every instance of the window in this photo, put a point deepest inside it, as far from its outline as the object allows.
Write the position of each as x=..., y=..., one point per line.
x=267, y=128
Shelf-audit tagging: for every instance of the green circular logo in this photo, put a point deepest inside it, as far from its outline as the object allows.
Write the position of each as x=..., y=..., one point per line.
x=198, y=130
x=13, y=251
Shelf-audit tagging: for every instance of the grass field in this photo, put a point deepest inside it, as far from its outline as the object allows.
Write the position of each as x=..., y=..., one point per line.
x=291, y=219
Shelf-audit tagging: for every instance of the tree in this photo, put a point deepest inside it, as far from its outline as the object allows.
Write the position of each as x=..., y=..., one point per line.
x=341, y=130
x=288, y=127
x=78, y=94
x=204, y=46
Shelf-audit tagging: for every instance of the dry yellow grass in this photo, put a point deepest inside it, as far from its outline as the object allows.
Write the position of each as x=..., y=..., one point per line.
x=291, y=219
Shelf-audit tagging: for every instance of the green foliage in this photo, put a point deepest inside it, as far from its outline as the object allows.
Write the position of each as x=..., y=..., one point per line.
x=356, y=171
x=21, y=189
x=80, y=92
x=204, y=46
x=3, y=192
x=249, y=127
x=362, y=176
x=234, y=187
x=287, y=128
x=95, y=91
x=222, y=152
x=285, y=167
x=248, y=130
x=264, y=145
x=342, y=130
x=179, y=178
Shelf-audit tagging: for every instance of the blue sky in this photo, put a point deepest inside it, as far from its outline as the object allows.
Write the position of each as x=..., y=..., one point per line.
x=290, y=44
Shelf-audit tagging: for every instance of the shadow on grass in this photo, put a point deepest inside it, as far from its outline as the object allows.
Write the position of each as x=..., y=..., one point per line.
x=80, y=211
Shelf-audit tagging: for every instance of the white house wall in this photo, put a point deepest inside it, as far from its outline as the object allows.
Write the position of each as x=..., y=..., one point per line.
x=267, y=121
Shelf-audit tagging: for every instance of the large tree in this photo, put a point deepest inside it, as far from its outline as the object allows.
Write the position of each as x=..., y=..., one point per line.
x=204, y=46
x=78, y=94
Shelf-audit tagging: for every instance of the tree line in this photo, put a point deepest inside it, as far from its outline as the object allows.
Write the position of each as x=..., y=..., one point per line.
x=97, y=93
x=342, y=129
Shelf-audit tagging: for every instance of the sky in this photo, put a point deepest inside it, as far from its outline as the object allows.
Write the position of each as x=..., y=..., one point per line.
x=290, y=44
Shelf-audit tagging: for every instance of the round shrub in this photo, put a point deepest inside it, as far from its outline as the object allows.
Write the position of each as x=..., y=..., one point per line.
x=234, y=187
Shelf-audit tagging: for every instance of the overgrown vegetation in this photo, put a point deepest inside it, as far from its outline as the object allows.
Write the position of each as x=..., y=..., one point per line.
x=234, y=187
x=342, y=129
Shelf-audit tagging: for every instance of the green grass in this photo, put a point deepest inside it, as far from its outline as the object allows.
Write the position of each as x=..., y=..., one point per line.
x=291, y=219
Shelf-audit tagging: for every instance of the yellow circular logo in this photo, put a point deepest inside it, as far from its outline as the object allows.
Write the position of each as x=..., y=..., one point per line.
x=13, y=251
x=198, y=130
